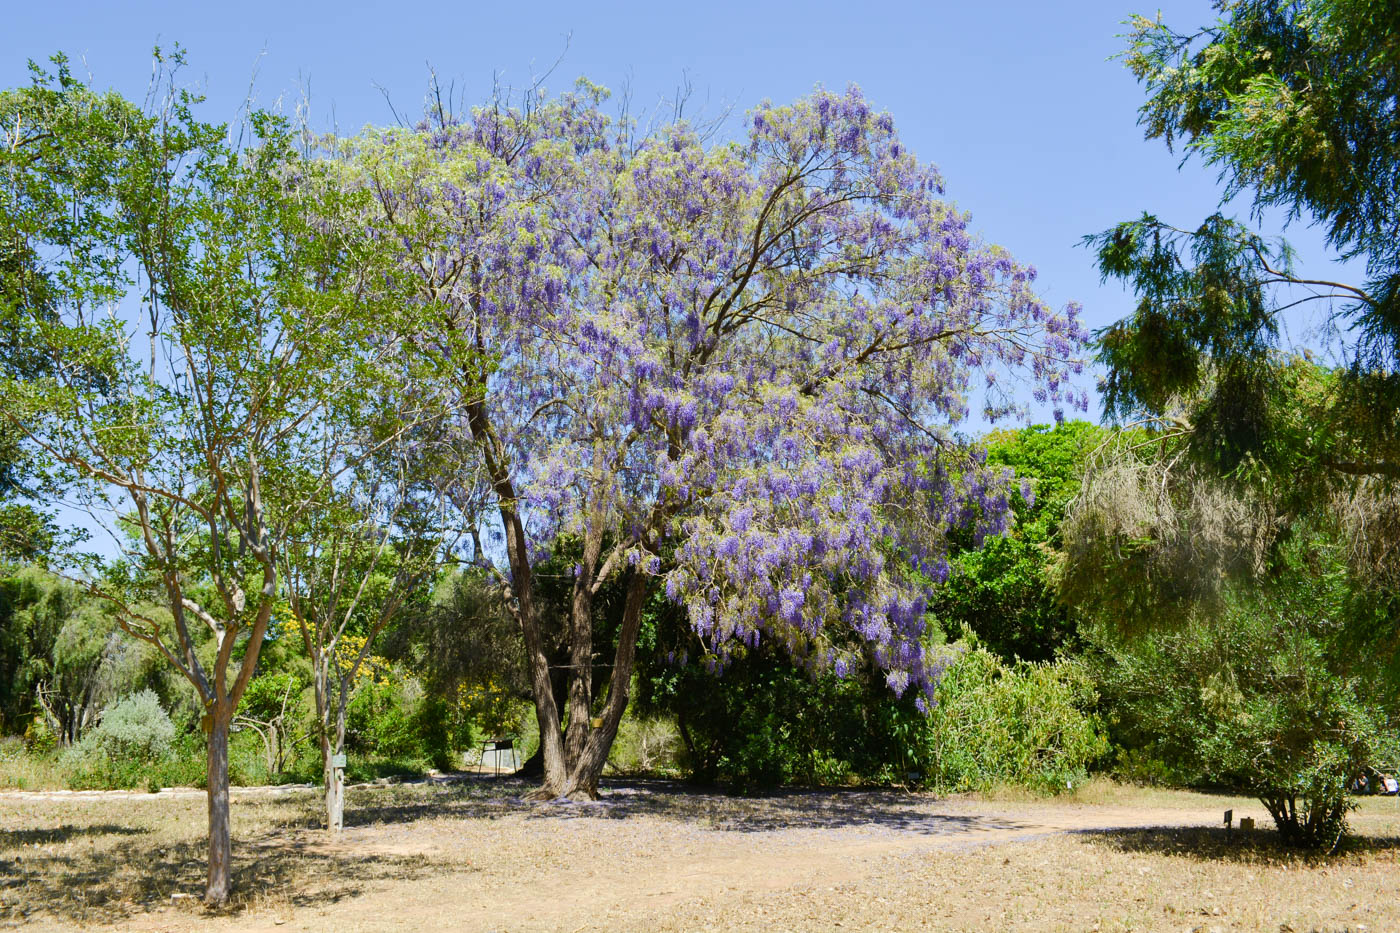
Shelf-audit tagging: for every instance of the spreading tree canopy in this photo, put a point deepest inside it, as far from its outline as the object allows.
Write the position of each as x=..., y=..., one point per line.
x=731, y=371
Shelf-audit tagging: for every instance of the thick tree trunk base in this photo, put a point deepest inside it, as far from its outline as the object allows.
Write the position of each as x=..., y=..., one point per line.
x=578, y=792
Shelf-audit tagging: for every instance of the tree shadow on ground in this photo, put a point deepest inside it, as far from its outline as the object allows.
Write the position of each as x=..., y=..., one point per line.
x=1261, y=846
x=13, y=838
x=124, y=878
x=494, y=798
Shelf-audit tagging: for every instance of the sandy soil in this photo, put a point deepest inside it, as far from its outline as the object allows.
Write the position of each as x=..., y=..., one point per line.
x=653, y=855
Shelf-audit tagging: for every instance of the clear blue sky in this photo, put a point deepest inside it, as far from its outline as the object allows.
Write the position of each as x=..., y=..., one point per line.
x=1019, y=104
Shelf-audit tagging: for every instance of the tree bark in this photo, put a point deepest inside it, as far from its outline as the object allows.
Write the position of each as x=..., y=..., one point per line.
x=335, y=793
x=220, y=844
x=546, y=710
x=335, y=775
x=581, y=651
x=330, y=722
x=583, y=776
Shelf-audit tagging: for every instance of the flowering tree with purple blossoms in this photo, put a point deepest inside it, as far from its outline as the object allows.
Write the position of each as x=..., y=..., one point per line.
x=729, y=370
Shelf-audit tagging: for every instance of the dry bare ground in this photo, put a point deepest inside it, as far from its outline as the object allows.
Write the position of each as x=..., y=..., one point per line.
x=651, y=855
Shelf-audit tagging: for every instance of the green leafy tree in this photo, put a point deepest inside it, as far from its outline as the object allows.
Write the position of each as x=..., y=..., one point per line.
x=1267, y=695
x=26, y=533
x=353, y=564
x=54, y=640
x=1001, y=589
x=214, y=302
x=1242, y=443
x=1238, y=634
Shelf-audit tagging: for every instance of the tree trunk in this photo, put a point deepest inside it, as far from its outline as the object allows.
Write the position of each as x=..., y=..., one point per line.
x=583, y=776
x=333, y=746
x=522, y=589
x=220, y=843
x=335, y=794
x=581, y=651
x=546, y=709
x=330, y=722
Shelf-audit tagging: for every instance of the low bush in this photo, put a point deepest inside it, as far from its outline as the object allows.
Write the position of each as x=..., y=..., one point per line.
x=135, y=728
x=1022, y=723
x=134, y=745
x=401, y=726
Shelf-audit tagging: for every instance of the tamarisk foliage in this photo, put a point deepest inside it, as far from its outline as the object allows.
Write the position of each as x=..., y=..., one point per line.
x=1295, y=104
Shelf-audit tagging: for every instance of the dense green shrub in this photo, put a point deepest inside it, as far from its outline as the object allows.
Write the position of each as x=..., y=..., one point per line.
x=380, y=722
x=280, y=710
x=1021, y=723
x=133, y=738
x=1257, y=699
x=400, y=724
x=435, y=729
x=1274, y=680
x=764, y=723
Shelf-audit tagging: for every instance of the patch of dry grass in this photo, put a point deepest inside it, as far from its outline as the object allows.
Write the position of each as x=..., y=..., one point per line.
x=22, y=771
x=1146, y=880
x=1106, y=792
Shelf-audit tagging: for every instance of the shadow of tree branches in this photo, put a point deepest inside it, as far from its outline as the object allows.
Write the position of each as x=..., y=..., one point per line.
x=102, y=883
x=1261, y=846
x=494, y=798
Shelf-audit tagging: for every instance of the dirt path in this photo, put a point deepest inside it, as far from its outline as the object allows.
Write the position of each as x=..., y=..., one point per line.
x=260, y=790
x=764, y=864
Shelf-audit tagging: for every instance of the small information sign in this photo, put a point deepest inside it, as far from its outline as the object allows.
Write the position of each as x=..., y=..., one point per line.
x=338, y=761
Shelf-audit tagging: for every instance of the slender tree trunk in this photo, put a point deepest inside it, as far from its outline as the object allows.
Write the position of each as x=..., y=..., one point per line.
x=556, y=772
x=335, y=773
x=522, y=589
x=334, y=777
x=581, y=651
x=331, y=729
x=220, y=843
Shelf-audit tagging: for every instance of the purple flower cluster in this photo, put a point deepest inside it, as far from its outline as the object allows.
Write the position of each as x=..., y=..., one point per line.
x=750, y=355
